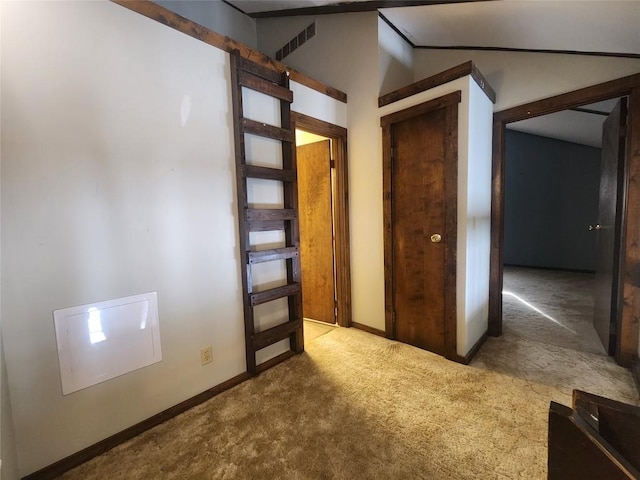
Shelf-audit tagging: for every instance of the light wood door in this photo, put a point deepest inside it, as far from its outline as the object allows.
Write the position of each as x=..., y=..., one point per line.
x=423, y=185
x=316, y=231
x=608, y=228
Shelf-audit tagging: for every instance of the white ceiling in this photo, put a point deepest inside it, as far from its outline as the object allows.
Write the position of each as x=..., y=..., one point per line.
x=255, y=6
x=569, y=125
x=576, y=25
x=607, y=26
x=571, y=25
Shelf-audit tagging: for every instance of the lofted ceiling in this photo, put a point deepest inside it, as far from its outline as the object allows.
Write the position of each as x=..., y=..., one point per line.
x=589, y=26
x=601, y=27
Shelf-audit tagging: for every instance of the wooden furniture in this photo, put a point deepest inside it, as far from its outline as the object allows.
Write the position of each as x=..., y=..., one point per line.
x=597, y=439
x=249, y=75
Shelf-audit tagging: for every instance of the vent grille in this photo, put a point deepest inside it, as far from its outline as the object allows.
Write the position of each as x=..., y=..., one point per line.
x=297, y=41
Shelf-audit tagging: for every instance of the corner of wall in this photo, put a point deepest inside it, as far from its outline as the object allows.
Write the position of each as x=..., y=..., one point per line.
x=474, y=248
x=395, y=59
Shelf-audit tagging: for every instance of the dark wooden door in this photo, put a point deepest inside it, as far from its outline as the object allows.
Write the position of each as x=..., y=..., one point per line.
x=316, y=231
x=608, y=228
x=423, y=228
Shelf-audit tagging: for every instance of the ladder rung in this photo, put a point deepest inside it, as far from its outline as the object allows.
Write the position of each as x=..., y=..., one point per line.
x=274, y=334
x=262, y=72
x=274, y=293
x=268, y=131
x=261, y=85
x=271, y=255
x=268, y=214
x=265, y=225
x=269, y=173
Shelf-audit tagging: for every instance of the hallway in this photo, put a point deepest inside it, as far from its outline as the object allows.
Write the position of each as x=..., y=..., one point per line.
x=548, y=336
x=550, y=306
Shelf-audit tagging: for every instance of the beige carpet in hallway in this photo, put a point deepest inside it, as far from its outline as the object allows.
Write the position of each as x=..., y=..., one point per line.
x=551, y=306
x=355, y=406
x=314, y=329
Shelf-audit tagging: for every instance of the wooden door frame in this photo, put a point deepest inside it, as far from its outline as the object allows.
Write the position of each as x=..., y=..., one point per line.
x=338, y=135
x=450, y=103
x=629, y=314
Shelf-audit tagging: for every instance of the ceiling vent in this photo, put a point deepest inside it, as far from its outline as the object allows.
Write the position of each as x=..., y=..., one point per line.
x=297, y=41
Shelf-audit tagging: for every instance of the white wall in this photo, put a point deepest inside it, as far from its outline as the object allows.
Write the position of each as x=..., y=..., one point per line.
x=395, y=59
x=519, y=77
x=8, y=453
x=474, y=204
x=8, y=449
x=475, y=219
x=317, y=105
x=117, y=178
x=344, y=54
x=341, y=55
x=217, y=16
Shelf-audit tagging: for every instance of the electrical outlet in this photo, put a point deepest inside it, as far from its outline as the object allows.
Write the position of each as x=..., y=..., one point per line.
x=206, y=355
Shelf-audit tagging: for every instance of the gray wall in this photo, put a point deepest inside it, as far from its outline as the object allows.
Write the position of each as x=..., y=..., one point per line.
x=551, y=196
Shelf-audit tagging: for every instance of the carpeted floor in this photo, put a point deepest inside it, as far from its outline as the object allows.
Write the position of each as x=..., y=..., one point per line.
x=549, y=336
x=357, y=406
x=552, y=307
x=314, y=329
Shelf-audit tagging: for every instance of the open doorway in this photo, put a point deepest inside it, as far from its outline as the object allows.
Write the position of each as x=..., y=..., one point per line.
x=321, y=160
x=627, y=338
x=554, y=273
x=317, y=241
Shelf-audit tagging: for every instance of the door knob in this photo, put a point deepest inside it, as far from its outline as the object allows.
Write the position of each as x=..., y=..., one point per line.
x=594, y=227
x=436, y=238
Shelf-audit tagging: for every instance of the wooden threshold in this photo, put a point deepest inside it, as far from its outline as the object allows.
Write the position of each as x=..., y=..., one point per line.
x=56, y=469
x=462, y=70
x=173, y=20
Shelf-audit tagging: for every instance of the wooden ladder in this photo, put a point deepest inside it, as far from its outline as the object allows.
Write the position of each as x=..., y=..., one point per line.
x=247, y=74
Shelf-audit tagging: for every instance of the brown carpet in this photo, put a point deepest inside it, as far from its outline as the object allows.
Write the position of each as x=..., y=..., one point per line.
x=354, y=406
